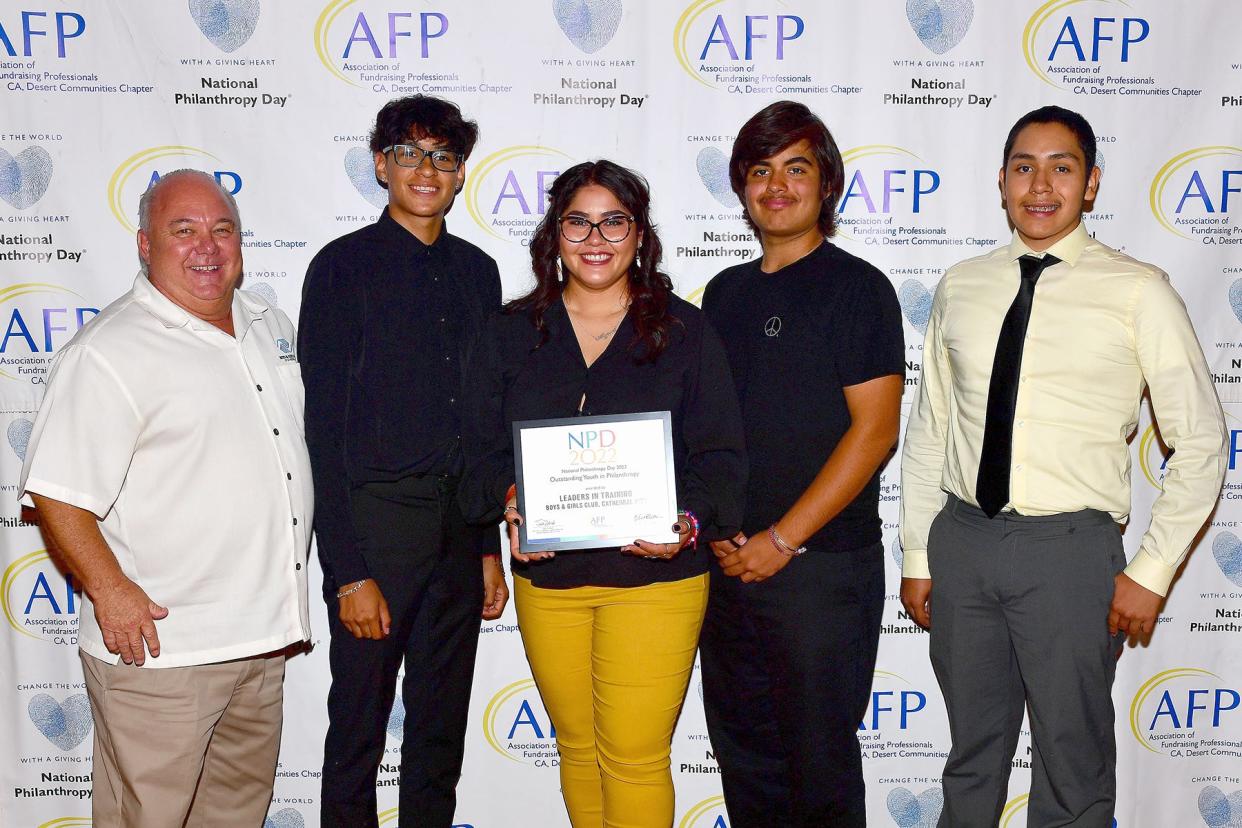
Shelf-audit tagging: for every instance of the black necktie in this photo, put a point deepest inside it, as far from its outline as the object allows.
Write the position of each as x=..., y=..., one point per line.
x=992, y=485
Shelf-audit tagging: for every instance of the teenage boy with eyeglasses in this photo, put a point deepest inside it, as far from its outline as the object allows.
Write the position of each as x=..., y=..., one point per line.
x=388, y=314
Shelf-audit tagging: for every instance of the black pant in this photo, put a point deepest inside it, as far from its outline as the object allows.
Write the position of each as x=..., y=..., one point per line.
x=426, y=561
x=787, y=667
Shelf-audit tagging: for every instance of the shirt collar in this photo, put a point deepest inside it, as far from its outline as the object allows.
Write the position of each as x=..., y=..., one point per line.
x=246, y=308
x=400, y=234
x=1068, y=249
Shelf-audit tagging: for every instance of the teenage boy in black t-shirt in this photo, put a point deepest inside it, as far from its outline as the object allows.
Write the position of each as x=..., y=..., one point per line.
x=814, y=339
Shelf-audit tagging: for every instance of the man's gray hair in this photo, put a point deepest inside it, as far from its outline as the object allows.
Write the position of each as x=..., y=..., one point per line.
x=144, y=203
x=148, y=197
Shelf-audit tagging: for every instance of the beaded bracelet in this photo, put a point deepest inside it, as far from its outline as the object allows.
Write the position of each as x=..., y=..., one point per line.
x=780, y=544
x=694, y=527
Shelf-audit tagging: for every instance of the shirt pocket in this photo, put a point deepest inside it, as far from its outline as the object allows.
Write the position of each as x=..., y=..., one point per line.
x=290, y=377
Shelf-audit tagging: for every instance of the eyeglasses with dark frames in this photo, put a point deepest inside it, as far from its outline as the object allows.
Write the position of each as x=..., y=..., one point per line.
x=611, y=228
x=412, y=155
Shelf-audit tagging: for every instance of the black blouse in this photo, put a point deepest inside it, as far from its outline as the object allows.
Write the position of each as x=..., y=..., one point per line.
x=512, y=377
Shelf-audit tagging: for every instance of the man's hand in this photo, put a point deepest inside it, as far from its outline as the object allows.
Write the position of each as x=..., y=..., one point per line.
x=127, y=619
x=916, y=598
x=365, y=612
x=495, y=590
x=1134, y=608
x=755, y=560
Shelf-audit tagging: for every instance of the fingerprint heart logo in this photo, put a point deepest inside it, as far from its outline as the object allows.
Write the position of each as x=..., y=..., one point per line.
x=897, y=552
x=910, y=811
x=589, y=24
x=940, y=24
x=396, y=719
x=19, y=436
x=1235, y=298
x=65, y=724
x=285, y=818
x=1227, y=550
x=25, y=176
x=360, y=167
x=266, y=291
x=916, y=302
x=228, y=24
x=1220, y=810
x=713, y=169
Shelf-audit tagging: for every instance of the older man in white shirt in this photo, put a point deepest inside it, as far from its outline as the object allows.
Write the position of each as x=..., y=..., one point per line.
x=170, y=472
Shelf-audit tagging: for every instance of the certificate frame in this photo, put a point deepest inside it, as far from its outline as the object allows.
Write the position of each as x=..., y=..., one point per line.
x=606, y=526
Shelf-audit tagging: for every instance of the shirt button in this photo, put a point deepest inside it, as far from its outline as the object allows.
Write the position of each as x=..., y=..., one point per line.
x=1021, y=423
x=288, y=476
x=297, y=566
x=276, y=431
x=447, y=359
x=441, y=318
x=1018, y=467
x=260, y=387
x=452, y=399
x=295, y=521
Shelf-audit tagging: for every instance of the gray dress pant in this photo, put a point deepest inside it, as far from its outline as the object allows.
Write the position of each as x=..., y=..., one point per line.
x=1020, y=620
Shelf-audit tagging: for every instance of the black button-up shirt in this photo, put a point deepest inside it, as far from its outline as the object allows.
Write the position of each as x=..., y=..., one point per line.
x=384, y=335
x=513, y=377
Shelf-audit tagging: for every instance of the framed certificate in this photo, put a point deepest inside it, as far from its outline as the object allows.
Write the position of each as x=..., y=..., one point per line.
x=595, y=482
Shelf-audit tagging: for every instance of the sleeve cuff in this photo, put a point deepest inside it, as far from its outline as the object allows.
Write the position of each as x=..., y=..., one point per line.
x=64, y=494
x=914, y=564
x=1149, y=573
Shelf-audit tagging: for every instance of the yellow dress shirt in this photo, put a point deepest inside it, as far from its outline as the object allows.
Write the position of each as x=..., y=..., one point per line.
x=1103, y=326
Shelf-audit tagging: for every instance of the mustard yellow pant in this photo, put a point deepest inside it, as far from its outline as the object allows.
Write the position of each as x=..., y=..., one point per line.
x=612, y=665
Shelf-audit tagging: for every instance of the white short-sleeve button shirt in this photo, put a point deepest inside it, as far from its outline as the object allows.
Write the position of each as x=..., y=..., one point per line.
x=187, y=443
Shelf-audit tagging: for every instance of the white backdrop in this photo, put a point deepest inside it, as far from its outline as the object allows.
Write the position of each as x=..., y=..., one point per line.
x=276, y=97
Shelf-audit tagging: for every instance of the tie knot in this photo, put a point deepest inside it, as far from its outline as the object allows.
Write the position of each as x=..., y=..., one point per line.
x=1032, y=265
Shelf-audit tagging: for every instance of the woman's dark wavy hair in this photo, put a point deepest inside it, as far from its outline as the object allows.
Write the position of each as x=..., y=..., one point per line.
x=649, y=289
x=769, y=132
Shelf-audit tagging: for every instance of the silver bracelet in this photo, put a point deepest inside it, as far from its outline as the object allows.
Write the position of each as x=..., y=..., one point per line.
x=780, y=544
x=352, y=589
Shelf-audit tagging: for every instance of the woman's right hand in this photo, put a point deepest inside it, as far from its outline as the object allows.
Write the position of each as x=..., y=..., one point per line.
x=514, y=519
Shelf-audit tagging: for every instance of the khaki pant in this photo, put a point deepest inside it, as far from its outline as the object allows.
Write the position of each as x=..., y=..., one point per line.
x=185, y=746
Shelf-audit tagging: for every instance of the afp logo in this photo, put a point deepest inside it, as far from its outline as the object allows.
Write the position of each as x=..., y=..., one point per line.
x=1195, y=194
x=507, y=193
x=24, y=177
x=895, y=705
x=1076, y=46
x=884, y=180
x=1175, y=710
x=353, y=39
x=33, y=33
x=40, y=602
x=589, y=24
x=518, y=728
x=38, y=318
x=135, y=174
x=227, y=24
x=710, y=813
x=731, y=40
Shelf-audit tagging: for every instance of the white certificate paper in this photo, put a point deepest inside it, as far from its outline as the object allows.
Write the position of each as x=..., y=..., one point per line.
x=595, y=482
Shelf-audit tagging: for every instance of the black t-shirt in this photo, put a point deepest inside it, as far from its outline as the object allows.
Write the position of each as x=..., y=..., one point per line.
x=795, y=338
x=512, y=376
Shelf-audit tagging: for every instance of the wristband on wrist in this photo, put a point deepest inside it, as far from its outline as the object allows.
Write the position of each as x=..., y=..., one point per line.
x=693, y=522
x=780, y=543
x=352, y=589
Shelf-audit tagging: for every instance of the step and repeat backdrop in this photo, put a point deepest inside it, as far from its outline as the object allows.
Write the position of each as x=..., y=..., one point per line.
x=275, y=98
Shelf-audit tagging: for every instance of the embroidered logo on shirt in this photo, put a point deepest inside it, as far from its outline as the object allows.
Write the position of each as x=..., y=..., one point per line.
x=773, y=326
x=286, y=350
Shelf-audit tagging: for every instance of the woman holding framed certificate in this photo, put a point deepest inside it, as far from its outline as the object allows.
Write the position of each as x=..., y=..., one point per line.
x=601, y=407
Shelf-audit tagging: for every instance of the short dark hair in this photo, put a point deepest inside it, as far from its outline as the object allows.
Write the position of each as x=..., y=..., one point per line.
x=649, y=287
x=423, y=116
x=1069, y=119
x=773, y=129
